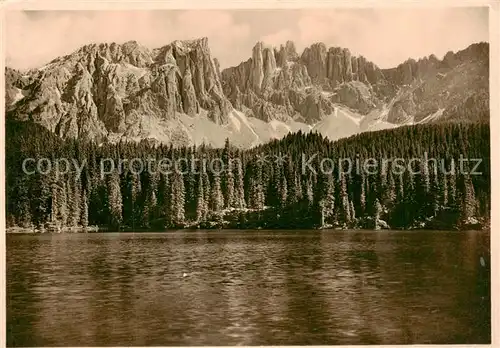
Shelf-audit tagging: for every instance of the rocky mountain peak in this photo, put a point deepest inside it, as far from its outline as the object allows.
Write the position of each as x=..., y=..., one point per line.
x=411, y=69
x=277, y=83
x=285, y=54
x=110, y=88
x=190, y=45
x=130, y=52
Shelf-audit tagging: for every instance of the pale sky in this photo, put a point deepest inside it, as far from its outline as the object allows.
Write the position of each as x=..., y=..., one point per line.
x=385, y=36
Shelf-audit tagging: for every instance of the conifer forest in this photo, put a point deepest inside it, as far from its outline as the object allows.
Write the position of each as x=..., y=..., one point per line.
x=269, y=186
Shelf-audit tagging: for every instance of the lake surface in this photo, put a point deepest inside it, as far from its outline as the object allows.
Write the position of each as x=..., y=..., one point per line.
x=248, y=288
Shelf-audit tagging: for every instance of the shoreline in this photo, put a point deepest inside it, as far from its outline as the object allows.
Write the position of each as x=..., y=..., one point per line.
x=18, y=230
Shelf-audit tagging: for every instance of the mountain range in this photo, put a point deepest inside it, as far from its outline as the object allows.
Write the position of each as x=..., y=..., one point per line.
x=178, y=93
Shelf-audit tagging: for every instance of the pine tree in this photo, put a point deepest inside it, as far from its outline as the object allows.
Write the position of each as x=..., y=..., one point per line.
x=37, y=209
x=378, y=213
x=114, y=201
x=256, y=189
x=353, y=211
x=403, y=213
x=149, y=210
x=177, y=199
x=190, y=183
x=469, y=203
x=326, y=199
x=309, y=191
x=295, y=191
x=344, y=198
x=74, y=201
x=452, y=192
x=153, y=204
x=381, y=184
x=17, y=203
x=217, y=198
x=230, y=189
x=239, y=187
x=84, y=218
x=400, y=191
x=69, y=201
x=444, y=190
x=164, y=198
x=201, y=206
x=131, y=202
x=434, y=195
x=362, y=198
x=255, y=194
x=273, y=187
x=59, y=203
x=390, y=195
x=207, y=190
x=24, y=216
x=283, y=190
x=425, y=172
x=226, y=187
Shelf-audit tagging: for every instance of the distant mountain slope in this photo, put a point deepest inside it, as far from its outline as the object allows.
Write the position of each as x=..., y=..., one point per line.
x=451, y=85
x=280, y=84
x=177, y=94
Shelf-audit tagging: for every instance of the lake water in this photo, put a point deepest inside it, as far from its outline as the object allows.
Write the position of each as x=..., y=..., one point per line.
x=248, y=288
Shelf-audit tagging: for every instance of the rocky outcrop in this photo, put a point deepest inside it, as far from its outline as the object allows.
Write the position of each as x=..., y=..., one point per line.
x=315, y=107
x=266, y=86
x=108, y=88
x=315, y=60
x=280, y=84
x=355, y=95
x=286, y=53
x=336, y=66
x=402, y=110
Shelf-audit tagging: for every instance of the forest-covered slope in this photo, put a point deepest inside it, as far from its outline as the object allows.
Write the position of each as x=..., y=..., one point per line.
x=277, y=185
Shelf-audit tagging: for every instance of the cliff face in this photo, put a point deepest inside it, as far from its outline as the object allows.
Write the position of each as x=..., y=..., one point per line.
x=277, y=83
x=331, y=67
x=110, y=88
x=280, y=84
x=178, y=93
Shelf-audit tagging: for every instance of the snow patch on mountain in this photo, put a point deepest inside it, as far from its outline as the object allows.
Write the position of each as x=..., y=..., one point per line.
x=17, y=95
x=244, y=134
x=343, y=123
x=185, y=130
x=234, y=122
x=432, y=117
x=276, y=129
x=337, y=125
x=376, y=120
x=353, y=116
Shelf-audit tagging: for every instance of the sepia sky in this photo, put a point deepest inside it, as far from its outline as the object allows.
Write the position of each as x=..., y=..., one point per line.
x=385, y=36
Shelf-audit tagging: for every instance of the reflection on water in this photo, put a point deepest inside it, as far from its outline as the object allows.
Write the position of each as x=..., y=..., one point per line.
x=248, y=288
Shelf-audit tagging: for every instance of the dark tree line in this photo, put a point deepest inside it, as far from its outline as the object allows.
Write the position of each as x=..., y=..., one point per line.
x=265, y=187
